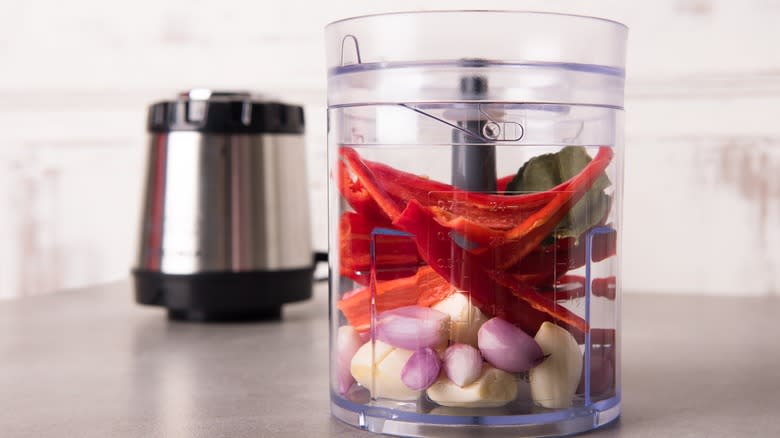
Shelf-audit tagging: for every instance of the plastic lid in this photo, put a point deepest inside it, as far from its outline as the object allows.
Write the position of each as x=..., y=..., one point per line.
x=493, y=36
x=528, y=57
x=207, y=111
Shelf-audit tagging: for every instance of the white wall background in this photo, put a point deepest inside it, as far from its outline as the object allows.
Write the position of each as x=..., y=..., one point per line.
x=702, y=207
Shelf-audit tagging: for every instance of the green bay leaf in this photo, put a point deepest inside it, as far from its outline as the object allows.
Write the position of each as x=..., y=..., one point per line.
x=546, y=171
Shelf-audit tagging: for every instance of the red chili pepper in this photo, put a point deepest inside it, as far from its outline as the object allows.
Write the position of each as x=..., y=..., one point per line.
x=518, y=225
x=425, y=288
x=501, y=212
x=420, y=188
x=480, y=212
x=396, y=256
x=573, y=286
x=514, y=223
x=390, y=205
x=501, y=183
x=495, y=293
x=603, y=336
x=357, y=196
x=603, y=359
x=602, y=371
x=545, y=265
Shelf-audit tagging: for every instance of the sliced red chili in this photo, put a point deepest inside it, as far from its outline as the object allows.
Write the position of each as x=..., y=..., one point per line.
x=396, y=256
x=479, y=218
x=390, y=205
x=544, y=265
x=495, y=293
x=500, y=212
x=570, y=287
x=425, y=288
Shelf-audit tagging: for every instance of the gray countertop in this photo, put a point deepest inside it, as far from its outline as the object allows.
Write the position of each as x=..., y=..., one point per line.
x=90, y=363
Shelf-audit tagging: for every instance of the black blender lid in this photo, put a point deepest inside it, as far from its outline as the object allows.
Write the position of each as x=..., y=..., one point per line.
x=208, y=111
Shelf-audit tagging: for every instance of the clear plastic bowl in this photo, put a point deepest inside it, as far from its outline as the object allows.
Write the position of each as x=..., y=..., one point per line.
x=475, y=193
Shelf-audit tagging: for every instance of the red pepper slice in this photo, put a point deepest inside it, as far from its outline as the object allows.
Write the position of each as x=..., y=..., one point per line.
x=396, y=256
x=603, y=336
x=425, y=288
x=475, y=231
x=358, y=197
x=603, y=360
x=501, y=183
x=511, y=246
x=500, y=212
x=546, y=264
x=390, y=205
x=495, y=293
x=482, y=210
x=422, y=189
x=479, y=217
x=573, y=286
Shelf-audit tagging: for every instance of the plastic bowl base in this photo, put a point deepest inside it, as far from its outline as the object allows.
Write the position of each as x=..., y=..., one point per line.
x=558, y=423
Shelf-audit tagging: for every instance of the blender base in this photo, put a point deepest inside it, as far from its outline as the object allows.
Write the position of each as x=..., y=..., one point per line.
x=197, y=315
x=223, y=296
x=408, y=424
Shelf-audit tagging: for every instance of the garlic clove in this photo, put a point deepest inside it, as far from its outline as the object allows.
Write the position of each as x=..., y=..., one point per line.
x=367, y=356
x=462, y=364
x=348, y=342
x=465, y=319
x=388, y=378
x=555, y=380
x=366, y=359
x=493, y=388
x=379, y=370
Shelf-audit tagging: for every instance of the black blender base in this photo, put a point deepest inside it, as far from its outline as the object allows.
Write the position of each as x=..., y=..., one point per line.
x=223, y=296
x=195, y=315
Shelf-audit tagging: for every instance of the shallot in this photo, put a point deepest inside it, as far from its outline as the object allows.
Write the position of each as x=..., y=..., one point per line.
x=422, y=369
x=508, y=348
x=413, y=327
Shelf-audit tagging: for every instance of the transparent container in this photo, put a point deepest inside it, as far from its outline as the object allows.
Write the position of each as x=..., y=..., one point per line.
x=475, y=205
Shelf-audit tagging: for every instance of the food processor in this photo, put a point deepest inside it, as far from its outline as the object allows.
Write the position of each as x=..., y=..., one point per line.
x=475, y=195
x=475, y=213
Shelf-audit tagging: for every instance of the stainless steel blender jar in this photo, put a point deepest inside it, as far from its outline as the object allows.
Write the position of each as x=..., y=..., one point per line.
x=225, y=223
